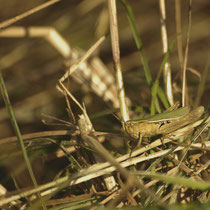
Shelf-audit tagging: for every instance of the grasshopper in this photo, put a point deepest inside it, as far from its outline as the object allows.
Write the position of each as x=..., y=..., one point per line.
x=162, y=124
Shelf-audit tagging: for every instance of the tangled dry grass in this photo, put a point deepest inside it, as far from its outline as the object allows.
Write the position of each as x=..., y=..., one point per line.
x=57, y=64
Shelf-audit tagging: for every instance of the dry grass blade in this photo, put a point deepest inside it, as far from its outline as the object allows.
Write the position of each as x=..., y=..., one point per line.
x=167, y=67
x=84, y=58
x=193, y=140
x=91, y=172
x=30, y=12
x=116, y=58
x=93, y=143
x=80, y=157
x=109, y=179
x=65, y=91
x=48, y=33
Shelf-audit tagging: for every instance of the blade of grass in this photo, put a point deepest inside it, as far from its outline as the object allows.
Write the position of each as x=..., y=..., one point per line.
x=184, y=82
x=25, y=14
x=70, y=157
x=116, y=58
x=137, y=39
x=202, y=83
x=156, y=83
x=194, y=184
x=139, y=45
x=179, y=32
x=95, y=145
x=167, y=67
x=18, y=134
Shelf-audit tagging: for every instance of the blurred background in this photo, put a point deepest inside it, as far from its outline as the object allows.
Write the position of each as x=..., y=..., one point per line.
x=31, y=67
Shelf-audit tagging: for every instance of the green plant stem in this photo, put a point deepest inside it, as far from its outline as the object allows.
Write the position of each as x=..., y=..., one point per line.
x=194, y=184
x=17, y=132
x=156, y=83
x=201, y=87
x=139, y=45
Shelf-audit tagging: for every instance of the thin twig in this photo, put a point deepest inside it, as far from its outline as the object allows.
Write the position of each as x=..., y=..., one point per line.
x=25, y=14
x=84, y=58
x=86, y=127
x=65, y=91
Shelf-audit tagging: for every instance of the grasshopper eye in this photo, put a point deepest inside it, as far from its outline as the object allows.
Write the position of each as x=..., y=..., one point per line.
x=131, y=124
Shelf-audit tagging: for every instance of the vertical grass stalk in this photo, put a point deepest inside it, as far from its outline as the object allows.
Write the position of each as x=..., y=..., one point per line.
x=179, y=32
x=184, y=82
x=116, y=58
x=17, y=132
x=143, y=59
x=202, y=83
x=167, y=67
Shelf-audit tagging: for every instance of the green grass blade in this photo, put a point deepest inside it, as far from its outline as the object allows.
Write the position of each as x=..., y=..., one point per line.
x=155, y=86
x=17, y=132
x=201, y=87
x=184, y=181
x=70, y=157
x=139, y=45
x=138, y=41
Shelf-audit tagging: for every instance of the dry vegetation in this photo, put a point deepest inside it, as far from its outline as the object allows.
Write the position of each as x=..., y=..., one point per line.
x=57, y=65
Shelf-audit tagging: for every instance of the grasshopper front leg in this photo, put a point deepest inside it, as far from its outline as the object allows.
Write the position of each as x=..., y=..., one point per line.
x=140, y=140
